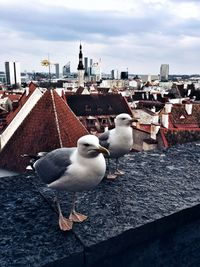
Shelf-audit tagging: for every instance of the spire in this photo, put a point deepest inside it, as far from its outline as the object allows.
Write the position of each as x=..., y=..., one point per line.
x=80, y=64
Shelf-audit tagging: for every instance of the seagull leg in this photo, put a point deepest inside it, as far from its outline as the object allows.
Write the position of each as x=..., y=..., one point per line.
x=75, y=216
x=64, y=223
x=110, y=176
x=117, y=171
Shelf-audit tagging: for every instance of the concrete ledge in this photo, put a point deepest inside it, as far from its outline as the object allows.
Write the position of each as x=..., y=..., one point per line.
x=131, y=219
x=29, y=232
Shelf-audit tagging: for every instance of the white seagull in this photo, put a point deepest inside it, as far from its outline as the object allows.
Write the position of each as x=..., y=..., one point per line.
x=73, y=169
x=119, y=141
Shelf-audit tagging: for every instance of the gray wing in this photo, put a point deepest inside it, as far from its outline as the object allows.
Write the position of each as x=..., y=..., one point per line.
x=104, y=139
x=54, y=164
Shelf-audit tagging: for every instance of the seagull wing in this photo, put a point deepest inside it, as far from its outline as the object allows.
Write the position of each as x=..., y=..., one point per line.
x=104, y=139
x=54, y=164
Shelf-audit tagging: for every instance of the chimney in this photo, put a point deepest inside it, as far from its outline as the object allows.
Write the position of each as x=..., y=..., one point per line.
x=155, y=118
x=137, y=124
x=188, y=108
x=168, y=107
x=154, y=130
x=165, y=120
x=153, y=109
x=155, y=96
x=27, y=91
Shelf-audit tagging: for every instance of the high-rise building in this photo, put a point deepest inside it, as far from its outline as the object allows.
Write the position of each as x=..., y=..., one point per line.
x=66, y=69
x=13, y=73
x=164, y=72
x=86, y=66
x=96, y=70
x=90, y=68
x=57, y=71
x=114, y=74
x=124, y=75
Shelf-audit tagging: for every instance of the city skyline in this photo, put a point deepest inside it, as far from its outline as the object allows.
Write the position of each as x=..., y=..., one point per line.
x=136, y=35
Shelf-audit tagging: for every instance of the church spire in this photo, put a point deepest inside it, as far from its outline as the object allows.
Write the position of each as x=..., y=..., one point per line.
x=80, y=63
x=80, y=69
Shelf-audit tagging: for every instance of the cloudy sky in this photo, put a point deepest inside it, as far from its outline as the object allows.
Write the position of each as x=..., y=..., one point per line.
x=138, y=35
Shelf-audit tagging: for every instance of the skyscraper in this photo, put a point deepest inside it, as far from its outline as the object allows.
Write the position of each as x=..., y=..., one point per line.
x=96, y=71
x=86, y=66
x=164, y=72
x=13, y=73
x=66, y=69
x=114, y=74
x=57, y=71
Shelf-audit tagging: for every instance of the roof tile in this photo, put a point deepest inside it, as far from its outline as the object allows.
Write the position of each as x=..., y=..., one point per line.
x=38, y=132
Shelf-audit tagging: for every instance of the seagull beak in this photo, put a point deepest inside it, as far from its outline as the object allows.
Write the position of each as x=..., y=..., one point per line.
x=131, y=121
x=103, y=150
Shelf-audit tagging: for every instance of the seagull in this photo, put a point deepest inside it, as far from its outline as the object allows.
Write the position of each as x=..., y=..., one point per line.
x=119, y=140
x=73, y=169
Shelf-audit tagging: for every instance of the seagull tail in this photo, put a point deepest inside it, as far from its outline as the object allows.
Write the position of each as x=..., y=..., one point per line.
x=33, y=159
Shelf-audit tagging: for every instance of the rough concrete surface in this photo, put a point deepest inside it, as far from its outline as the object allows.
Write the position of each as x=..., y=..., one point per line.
x=143, y=218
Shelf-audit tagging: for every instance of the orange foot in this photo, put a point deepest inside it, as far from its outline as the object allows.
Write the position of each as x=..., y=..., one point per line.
x=77, y=217
x=118, y=172
x=111, y=176
x=65, y=224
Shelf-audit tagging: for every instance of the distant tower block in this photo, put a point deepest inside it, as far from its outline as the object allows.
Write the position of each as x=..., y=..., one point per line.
x=66, y=69
x=80, y=68
x=13, y=73
x=115, y=74
x=96, y=71
x=57, y=70
x=86, y=66
x=124, y=75
x=164, y=72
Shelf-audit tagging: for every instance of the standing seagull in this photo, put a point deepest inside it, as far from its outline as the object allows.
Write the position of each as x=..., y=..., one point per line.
x=119, y=141
x=73, y=169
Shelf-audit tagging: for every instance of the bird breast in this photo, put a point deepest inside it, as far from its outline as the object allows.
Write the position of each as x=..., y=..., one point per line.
x=121, y=142
x=83, y=174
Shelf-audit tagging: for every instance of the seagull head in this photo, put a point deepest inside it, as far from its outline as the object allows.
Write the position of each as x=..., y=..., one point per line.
x=89, y=147
x=123, y=119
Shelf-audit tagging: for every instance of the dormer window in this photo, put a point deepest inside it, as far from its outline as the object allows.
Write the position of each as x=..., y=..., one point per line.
x=182, y=117
x=99, y=109
x=112, y=119
x=87, y=108
x=103, y=121
x=110, y=108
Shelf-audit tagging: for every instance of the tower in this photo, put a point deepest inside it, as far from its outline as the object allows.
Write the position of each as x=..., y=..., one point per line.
x=13, y=74
x=86, y=66
x=66, y=69
x=164, y=72
x=80, y=68
x=57, y=70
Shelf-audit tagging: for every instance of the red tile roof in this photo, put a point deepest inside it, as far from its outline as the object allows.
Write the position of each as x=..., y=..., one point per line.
x=183, y=128
x=14, y=97
x=98, y=104
x=22, y=101
x=38, y=132
x=179, y=118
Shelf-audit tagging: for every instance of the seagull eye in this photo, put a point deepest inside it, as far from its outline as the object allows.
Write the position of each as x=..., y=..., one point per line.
x=123, y=119
x=86, y=145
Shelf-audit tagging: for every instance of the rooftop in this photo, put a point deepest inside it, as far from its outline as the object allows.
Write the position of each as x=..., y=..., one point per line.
x=48, y=126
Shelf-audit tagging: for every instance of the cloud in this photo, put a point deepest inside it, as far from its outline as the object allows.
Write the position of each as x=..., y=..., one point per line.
x=138, y=35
